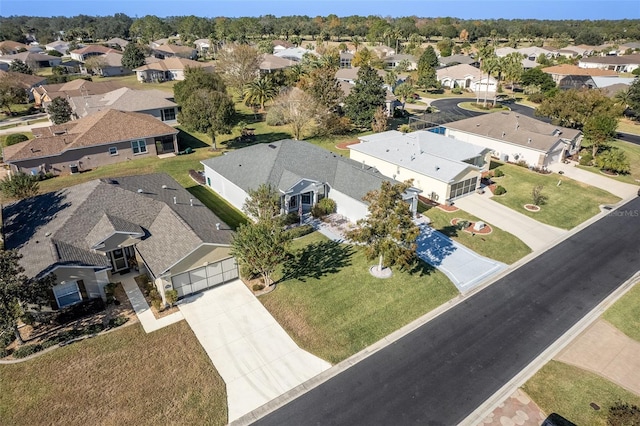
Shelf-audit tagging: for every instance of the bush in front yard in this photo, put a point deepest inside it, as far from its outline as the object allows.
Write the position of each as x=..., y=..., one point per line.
x=25, y=351
x=118, y=321
x=15, y=138
x=498, y=173
x=171, y=296
x=585, y=159
x=499, y=190
x=299, y=231
x=323, y=207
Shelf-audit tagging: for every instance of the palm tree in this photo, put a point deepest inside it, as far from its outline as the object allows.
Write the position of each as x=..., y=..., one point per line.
x=260, y=91
x=623, y=97
x=391, y=78
x=488, y=62
x=403, y=91
x=356, y=42
x=512, y=67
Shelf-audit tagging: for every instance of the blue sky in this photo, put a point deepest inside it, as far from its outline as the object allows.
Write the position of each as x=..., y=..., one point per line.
x=465, y=9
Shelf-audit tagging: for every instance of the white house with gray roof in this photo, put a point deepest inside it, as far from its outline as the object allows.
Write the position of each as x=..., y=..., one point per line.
x=514, y=137
x=442, y=168
x=303, y=174
x=89, y=233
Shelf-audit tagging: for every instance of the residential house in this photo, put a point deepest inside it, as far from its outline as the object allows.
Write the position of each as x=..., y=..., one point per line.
x=175, y=51
x=10, y=47
x=532, y=53
x=632, y=45
x=293, y=53
x=169, y=69
x=301, y=172
x=623, y=63
x=466, y=77
x=608, y=50
x=444, y=169
x=203, y=46
x=87, y=52
x=25, y=81
x=33, y=60
x=106, y=137
x=581, y=50
x=272, y=63
x=109, y=65
x=59, y=46
x=89, y=234
x=117, y=43
x=573, y=77
x=156, y=103
x=393, y=61
x=280, y=45
x=447, y=61
x=44, y=94
x=382, y=51
x=346, y=58
x=514, y=137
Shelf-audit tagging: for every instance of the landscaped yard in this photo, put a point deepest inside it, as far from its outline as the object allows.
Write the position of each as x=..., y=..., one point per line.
x=332, y=306
x=498, y=245
x=569, y=204
x=624, y=313
x=124, y=377
x=569, y=391
x=633, y=155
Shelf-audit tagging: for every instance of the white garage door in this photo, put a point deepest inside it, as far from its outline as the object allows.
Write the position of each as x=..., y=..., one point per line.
x=205, y=277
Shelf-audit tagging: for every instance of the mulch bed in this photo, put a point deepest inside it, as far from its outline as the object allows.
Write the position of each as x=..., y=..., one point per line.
x=442, y=207
x=344, y=145
x=448, y=209
x=251, y=282
x=532, y=208
x=156, y=313
x=484, y=231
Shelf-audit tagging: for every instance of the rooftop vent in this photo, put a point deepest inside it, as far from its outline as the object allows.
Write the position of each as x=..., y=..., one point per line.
x=217, y=226
x=504, y=134
x=529, y=140
x=191, y=202
x=140, y=190
x=175, y=200
x=164, y=186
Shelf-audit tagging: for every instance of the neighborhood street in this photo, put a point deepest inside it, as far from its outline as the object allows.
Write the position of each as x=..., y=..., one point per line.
x=444, y=370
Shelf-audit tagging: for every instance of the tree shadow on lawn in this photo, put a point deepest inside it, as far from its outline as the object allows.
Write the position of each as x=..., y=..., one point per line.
x=317, y=260
x=187, y=140
x=238, y=142
x=449, y=231
x=421, y=268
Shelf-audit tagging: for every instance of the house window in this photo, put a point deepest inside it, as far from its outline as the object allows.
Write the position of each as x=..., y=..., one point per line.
x=67, y=293
x=306, y=198
x=293, y=202
x=139, y=146
x=113, y=150
x=168, y=114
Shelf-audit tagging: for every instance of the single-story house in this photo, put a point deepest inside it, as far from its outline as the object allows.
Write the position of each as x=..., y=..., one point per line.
x=442, y=168
x=117, y=42
x=59, y=46
x=346, y=58
x=466, y=77
x=302, y=173
x=573, y=77
x=154, y=102
x=272, y=63
x=382, y=51
x=32, y=59
x=624, y=63
x=168, y=69
x=86, y=52
x=203, y=46
x=393, y=61
x=25, y=81
x=174, y=51
x=280, y=45
x=106, y=137
x=44, y=94
x=293, y=53
x=447, y=61
x=514, y=137
x=10, y=47
x=572, y=51
x=109, y=65
x=89, y=234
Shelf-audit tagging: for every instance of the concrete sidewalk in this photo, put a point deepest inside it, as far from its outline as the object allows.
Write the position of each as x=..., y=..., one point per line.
x=535, y=234
x=255, y=357
x=620, y=189
x=608, y=352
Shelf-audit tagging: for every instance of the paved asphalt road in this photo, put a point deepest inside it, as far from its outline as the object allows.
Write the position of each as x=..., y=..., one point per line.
x=444, y=370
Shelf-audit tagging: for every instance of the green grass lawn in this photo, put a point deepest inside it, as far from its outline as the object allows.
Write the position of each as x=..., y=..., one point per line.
x=633, y=155
x=124, y=377
x=624, y=313
x=628, y=126
x=332, y=307
x=499, y=245
x=132, y=82
x=3, y=138
x=568, y=204
x=568, y=391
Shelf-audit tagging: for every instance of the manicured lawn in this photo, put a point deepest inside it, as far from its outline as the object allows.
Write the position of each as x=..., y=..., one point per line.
x=499, y=245
x=568, y=204
x=569, y=391
x=633, y=155
x=124, y=377
x=624, y=313
x=3, y=138
x=132, y=82
x=332, y=307
x=628, y=126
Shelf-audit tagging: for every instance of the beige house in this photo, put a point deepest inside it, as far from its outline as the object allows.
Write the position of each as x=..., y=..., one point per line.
x=106, y=137
x=168, y=69
x=466, y=77
x=86, y=52
x=44, y=94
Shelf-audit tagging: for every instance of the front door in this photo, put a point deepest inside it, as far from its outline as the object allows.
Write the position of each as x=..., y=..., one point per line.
x=118, y=260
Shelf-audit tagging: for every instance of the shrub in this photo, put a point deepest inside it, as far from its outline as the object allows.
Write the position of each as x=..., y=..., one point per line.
x=405, y=128
x=15, y=138
x=171, y=296
x=94, y=329
x=499, y=190
x=536, y=97
x=623, y=414
x=291, y=219
x=537, y=196
x=498, y=173
x=82, y=309
x=323, y=207
x=48, y=343
x=118, y=321
x=4, y=353
x=6, y=338
x=258, y=287
x=636, y=71
x=275, y=117
x=27, y=350
x=585, y=158
x=456, y=90
x=299, y=231
x=462, y=224
x=157, y=304
x=613, y=160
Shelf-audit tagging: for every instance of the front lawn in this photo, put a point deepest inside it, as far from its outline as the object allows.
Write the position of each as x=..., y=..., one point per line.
x=124, y=377
x=332, y=307
x=499, y=245
x=624, y=313
x=633, y=155
x=569, y=391
x=569, y=203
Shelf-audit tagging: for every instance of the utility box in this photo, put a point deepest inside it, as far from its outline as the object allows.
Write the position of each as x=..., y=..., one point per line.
x=479, y=226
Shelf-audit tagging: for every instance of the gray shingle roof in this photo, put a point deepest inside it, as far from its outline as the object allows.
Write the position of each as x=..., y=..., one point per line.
x=54, y=228
x=280, y=163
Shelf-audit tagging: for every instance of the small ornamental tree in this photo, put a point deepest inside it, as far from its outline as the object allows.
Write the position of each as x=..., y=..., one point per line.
x=537, y=196
x=19, y=185
x=18, y=66
x=133, y=56
x=263, y=203
x=388, y=232
x=59, y=110
x=380, y=120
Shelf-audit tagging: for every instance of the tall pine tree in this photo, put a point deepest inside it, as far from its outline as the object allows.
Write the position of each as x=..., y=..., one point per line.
x=367, y=95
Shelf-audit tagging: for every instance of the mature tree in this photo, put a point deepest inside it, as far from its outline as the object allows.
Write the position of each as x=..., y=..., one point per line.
x=380, y=120
x=427, y=65
x=297, y=109
x=362, y=57
x=488, y=63
x=403, y=91
x=633, y=96
x=95, y=64
x=390, y=78
x=19, y=185
x=207, y=111
x=512, y=69
x=133, y=56
x=197, y=78
x=10, y=92
x=18, y=66
x=367, y=95
x=324, y=88
x=388, y=231
x=262, y=203
x=59, y=110
x=260, y=91
x=445, y=46
x=17, y=290
x=149, y=28
x=539, y=78
x=599, y=130
x=239, y=64
x=588, y=37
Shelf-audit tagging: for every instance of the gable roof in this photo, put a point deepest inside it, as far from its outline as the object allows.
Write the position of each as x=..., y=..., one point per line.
x=117, y=40
x=28, y=56
x=273, y=62
x=516, y=129
x=566, y=69
x=613, y=60
x=460, y=59
x=424, y=152
x=10, y=45
x=53, y=229
x=77, y=87
x=123, y=99
x=93, y=48
x=458, y=72
x=174, y=63
x=287, y=161
x=175, y=49
x=25, y=81
x=101, y=128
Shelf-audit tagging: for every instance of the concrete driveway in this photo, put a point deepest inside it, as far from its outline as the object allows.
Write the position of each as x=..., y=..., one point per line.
x=620, y=189
x=535, y=234
x=256, y=358
x=464, y=267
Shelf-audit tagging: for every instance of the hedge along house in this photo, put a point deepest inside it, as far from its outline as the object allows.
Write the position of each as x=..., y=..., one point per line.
x=442, y=168
x=106, y=137
x=302, y=173
x=90, y=233
x=514, y=137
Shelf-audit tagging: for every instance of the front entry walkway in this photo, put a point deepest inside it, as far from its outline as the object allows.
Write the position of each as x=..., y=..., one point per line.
x=256, y=358
x=535, y=234
x=464, y=267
